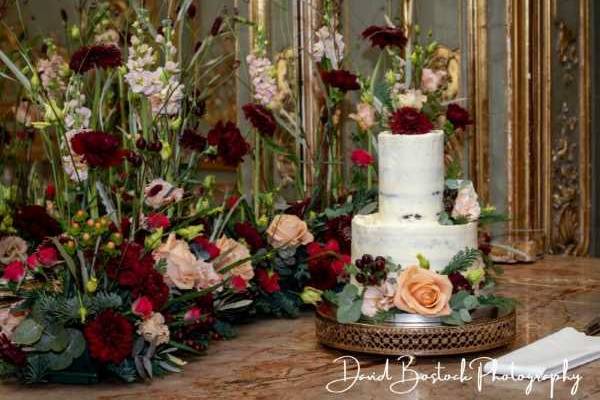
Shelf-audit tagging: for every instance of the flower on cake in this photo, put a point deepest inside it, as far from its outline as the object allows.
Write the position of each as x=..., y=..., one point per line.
x=378, y=298
x=466, y=204
x=409, y=121
x=288, y=230
x=424, y=292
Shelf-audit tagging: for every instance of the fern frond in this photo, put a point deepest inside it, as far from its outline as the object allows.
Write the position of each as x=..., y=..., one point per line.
x=461, y=261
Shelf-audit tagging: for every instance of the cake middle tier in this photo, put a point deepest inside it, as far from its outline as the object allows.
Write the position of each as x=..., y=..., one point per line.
x=374, y=235
x=411, y=176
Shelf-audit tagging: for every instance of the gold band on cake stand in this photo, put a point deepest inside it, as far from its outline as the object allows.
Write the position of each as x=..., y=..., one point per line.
x=414, y=339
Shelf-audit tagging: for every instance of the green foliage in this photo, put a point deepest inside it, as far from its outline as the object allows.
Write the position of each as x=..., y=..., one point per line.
x=349, y=305
x=504, y=304
x=489, y=216
x=7, y=369
x=330, y=296
x=225, y=329
x=36, y=369
x=454, y=170
x=461, y=261
x=462, y=303
x=28, y=332
x=280, y=304
x=124, y=371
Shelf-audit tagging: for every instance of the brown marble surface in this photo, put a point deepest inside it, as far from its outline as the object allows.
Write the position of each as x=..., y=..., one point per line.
x=280, y=359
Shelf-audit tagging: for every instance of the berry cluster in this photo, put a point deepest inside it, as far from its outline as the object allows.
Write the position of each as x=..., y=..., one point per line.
x=372, y=271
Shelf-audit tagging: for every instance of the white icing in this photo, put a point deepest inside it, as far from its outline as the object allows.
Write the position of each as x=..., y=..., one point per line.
x=411, y=185
x=411, y=176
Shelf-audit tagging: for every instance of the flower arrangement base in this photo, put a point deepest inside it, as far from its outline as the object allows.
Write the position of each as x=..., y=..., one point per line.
x=415, y=339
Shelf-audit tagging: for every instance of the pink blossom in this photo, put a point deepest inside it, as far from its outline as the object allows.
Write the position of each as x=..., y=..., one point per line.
x=14, y=272
x=193, y=314
x=431, y=80
x=142, y=307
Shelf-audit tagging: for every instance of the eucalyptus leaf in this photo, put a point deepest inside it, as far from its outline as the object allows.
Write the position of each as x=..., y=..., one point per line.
x=347, y=313
x=465, y=315
x=28, y=332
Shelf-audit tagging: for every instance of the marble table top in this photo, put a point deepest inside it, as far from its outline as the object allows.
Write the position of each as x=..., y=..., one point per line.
x=280, y=359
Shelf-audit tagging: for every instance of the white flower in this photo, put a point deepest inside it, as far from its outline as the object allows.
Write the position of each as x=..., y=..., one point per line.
x=75, y=168
x=328, y=45
x=412, y=98
x=431, y=80
x=378, y=298
x=9, y=321
x=154, y=329
x=12, y=248
x=262, y=76
x=467, y=202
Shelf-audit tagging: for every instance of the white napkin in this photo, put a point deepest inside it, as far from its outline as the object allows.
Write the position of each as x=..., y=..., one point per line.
x=547, y=356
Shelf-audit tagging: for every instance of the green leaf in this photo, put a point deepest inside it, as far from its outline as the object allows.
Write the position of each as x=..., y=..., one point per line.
x=453, y=319
x=28, y=332
x=465, y=315
x=54, y=338
x=461, y=261
x=457, y=299
x=347, y=313
x=348, y=294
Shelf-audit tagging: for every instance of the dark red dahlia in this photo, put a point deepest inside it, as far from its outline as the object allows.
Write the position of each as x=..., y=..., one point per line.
x=340, y=229
x=250, y=234
x=268, y=280
x=36, y=223
x=153, y=286
x=230, y=143
x=99, y=56
x=340, y=79
x=109, y=337
x=192, y=141
x=384, y=36
x=261, y=118
x=459, y=282
x=409, y=121
x=11, y=353
x=459, y=117
x=216, y=26
x=99, y=149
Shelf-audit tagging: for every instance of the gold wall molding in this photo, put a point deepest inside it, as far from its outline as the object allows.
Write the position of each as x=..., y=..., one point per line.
x=548, y=144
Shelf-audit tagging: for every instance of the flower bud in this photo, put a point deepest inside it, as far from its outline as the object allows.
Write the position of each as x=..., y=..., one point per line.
x=310, y=295
x=74, y=32
x=91, y=285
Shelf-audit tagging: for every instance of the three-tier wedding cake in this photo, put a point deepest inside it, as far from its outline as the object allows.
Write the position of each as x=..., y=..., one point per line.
x=411, y=189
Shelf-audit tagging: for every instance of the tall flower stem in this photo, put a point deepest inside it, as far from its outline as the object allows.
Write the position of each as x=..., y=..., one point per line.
x=369, y=171
x=257, y=170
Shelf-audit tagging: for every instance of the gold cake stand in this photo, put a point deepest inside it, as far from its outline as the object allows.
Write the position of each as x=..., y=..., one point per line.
x=410, y=339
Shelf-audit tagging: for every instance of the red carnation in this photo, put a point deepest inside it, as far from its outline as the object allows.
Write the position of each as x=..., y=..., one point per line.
x=458, y=116
x=383, y=36
x=14, y=272
x=409, y=121
x=99, y=149
x=268, y=280
x=230, y=143
x=11, y=353
x=361, y=158
x=340, y=229
x=340, y=79
x=152, y=285
x=109, y=337
x=50, y=191
x=209, y=247
x=157, y=220
x=36, y=223
x=192, y=140
x=261, y=118
x=250, y=234
x=325, y=264
x=99, y=56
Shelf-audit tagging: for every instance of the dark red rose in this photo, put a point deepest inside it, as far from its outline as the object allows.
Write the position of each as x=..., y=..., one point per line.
x=325, y=264
x=109, y=337
x=216, y=26
x=459, y=117
x=361, y=158
x=459, y=282
x=99, y=56
x=246, y=231
x=384, y=36
x=261, y=118
x=209, y=247
x=153, y=286
x=268, y=280
x=409, y=121
x=99, y=149
x=131, y=265
x=340, y=229
x=35, y=222
x=230, y=143
x=192, y=141
x=340, y=79
x=10, y=353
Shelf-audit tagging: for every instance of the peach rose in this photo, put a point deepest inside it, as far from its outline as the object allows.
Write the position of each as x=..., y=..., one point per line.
x=424, y=292
x=231, y=252
x=288, y=230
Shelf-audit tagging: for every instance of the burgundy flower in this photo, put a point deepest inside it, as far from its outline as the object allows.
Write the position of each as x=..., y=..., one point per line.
x=109, y=337
x=325, y=264
x=50, y=191
x=298, y=208
x=409, y=121
x=340, y=79
x=459, y=117
x=459, y=282
x=361, y=158
x=14, y=271
x=230, y=143
x=261, y=118
x=35, y=222
x=152, y=285
x=485, y=243
x=192, y=140
x=99, y=149
x=216, y=26
x=209, y=247
x=99, y=56
x=157, y=220
x=246, y=231
x=340, y=229
x=382, y=36
x=11, y=353
x=268, y=280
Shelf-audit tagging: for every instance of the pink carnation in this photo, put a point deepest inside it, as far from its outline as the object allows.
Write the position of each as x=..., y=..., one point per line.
x=142, y=307
x=361, y=158
x=14, y=272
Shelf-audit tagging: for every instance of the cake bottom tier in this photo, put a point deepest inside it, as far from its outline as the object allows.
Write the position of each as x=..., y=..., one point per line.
x=403, y=241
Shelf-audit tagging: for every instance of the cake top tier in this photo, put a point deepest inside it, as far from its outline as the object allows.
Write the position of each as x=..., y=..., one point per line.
x=411, y=176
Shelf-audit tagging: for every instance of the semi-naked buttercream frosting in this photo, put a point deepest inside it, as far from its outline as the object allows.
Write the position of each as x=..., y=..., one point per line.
x=411, y=188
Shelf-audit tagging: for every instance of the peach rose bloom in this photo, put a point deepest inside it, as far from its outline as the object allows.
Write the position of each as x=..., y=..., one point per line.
x=288, y=230
x=365, y=116
x=424, y=292
x=231, y=252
